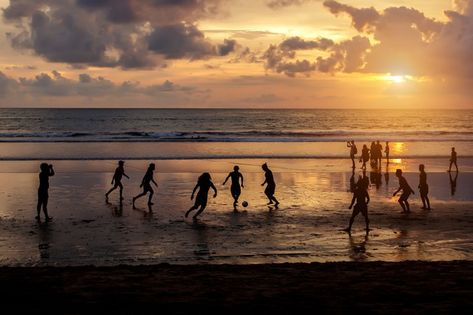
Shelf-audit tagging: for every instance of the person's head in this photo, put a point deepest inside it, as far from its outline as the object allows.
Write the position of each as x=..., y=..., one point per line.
x=353, y=142
x=421, y=167
x=387, y=142
x=364, y=146
x=205, y=177
x=236, y=168
x=453, y=149
x=398, y=172
x=265, y=167
x=377, y=142
x=121, y=163
x=152, y=167
x=44, y=167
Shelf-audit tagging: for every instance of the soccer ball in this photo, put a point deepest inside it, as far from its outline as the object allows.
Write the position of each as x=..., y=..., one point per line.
x=244, y=204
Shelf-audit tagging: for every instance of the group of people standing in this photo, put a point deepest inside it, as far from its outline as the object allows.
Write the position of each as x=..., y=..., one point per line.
x=373, y=155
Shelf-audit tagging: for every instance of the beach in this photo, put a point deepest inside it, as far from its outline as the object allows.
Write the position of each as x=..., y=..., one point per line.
x=307, y=227
x=410, y=287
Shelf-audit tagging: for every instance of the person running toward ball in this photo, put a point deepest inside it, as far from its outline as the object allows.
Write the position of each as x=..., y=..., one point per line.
x=235, y=189
x=204, y=183
x=406, y=191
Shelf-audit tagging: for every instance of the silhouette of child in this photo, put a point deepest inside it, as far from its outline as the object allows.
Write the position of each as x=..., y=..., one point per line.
x=386, y=151
x=453, y=160
x=424, y=188
x=406, y=191
x=362, y=199
x=365, y=156
x=271, y=185
x=117, y=180
x=205, y=183
x=146, y=184
x=43, y=196
x=353, y=151
x=235, y=189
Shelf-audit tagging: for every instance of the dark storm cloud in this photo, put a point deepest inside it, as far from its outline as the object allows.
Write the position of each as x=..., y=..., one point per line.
x=118, y=33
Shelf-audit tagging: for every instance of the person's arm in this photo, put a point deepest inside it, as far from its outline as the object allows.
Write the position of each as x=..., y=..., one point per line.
x=226, y=180
x=352, y=201
x=126, y=175
x=155, y=184
x=241, y=176
x=367, y=198
x=265, y=181
x=214, y=188
x=51, y=170
x=193, y=191
x=396, y=192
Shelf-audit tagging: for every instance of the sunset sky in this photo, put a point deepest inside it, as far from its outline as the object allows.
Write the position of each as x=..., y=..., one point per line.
x=222, y=53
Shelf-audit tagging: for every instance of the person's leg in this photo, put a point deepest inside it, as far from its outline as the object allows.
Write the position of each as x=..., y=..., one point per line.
x=38, y=206
x=276, y=202
x=268, y=195
x=422, y=197
x=151, y=193
x=401, y=202
x=202, y=207
x=120, y=185
x=456, y=166
x=108, y=192
x=428, y=201
x=139, y=196
x=191, y=209
x=45, y=207
x=407, y=206
x=450, y=167
x=367, y=221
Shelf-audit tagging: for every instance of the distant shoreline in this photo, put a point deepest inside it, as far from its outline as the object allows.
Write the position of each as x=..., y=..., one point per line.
x=375, y=287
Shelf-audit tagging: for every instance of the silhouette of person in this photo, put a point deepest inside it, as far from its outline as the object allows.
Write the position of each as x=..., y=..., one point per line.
x=453, y=160
x=379, y=152
x=406, y=191
x=204, y=183
x=235, y=189
x=146, y=184
x=117, y=180
x=362, y=199
x=271, y=185
x=453, y=183
x=386, y=151
x=424, y=188
x=353, y=151
x=46, y=171
x=374, y=154
x=365, y=156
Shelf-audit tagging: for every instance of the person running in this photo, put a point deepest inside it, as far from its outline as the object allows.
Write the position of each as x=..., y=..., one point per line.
x=386, y=151
x=406, y=192
x=353, y=151
x=46, y=171
x=205, y=183
x=146, y=184
x=453, y=160
x=235, y=189
x=362, y=199
x=117, y=180
x=365, y=156
x=271, y=185
x=424, y=188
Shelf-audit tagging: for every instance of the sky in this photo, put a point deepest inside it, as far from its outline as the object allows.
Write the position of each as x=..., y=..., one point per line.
x=236, y=53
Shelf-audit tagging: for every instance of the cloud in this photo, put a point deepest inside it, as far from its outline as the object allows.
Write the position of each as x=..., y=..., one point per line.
x=278, y=4
x=118, y=33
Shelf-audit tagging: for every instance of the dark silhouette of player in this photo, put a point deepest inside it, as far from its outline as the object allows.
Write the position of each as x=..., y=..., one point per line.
x=353, y=151
x=271, y=185
x=424, y=188
x=204, y=183
x=365, y=156
x=406, y=192
x=46, y=171
x=386, y=152
x=379, y=152
x=117, y=180
x=146, y=184
x=235, y=189
x=453, y=183
x=453, y=160
x=362, y=199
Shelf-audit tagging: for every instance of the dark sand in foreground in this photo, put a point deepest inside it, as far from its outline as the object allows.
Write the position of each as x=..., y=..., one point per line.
x=377, y=287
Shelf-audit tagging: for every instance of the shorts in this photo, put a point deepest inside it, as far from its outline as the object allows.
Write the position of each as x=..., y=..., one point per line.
x=424, y=190
x=404, y=196
x=235, y=190
x=269, y=191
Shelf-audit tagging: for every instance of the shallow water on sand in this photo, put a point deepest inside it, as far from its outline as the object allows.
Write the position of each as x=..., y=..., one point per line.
x=307, y=227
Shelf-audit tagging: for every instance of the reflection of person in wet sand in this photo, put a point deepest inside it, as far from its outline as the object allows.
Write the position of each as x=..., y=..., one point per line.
x=117, y=180
x=362, y=199
x=386, y=151
x=235, y=189
x=424, y=188
x=406, y=191
x=204, y=183
x=453, y=160
x=453, y=183
x=353, y=151
x=146, y=184
x=271, y=185
x=43, y=196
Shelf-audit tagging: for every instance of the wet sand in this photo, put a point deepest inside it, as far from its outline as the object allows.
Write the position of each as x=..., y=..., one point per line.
x=307, y=227
x=331, y=288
